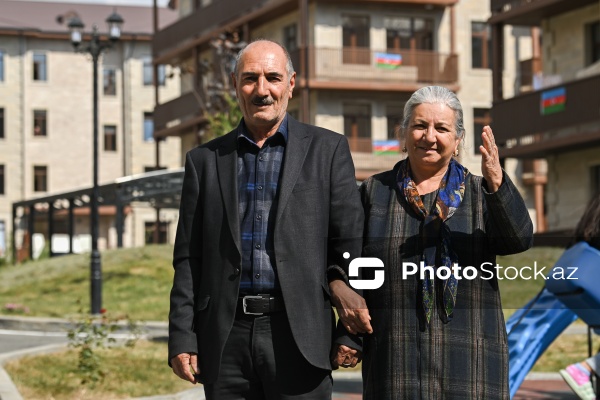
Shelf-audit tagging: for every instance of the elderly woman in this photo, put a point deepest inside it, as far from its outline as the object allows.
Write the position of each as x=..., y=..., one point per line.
x=440, y=336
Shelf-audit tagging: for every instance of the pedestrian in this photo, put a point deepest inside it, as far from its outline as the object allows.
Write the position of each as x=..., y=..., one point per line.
x=439, y=336
x=265, y=213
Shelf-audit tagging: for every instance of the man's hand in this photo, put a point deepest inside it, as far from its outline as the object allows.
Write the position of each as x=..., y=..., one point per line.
x=185, y=366
x=490, y=162
x=344, y=356
x=351, y=307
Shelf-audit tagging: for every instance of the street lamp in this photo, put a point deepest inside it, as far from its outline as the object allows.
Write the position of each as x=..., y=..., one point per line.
x=95, y=47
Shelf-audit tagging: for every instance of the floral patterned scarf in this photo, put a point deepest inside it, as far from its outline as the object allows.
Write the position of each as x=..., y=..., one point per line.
x=436, y=234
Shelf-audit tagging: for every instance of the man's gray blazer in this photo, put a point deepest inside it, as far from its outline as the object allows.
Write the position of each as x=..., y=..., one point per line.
x=318, y=204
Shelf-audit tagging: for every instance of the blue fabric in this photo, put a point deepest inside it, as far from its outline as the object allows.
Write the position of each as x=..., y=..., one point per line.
x=435, y=231
x=259, y=170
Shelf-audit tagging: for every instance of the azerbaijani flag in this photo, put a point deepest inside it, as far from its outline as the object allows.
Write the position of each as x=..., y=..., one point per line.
x=553, y=101
x=387, y=60
x=381, y=147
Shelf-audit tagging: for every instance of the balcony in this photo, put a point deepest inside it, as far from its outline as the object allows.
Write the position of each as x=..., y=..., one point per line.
x=531, y=12
x=176, y=42
x=335, y=69
x=363, y=69
x=523, y=130
x=174, y=116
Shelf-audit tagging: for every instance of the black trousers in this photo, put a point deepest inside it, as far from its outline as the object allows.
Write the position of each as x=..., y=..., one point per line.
x=262, y=362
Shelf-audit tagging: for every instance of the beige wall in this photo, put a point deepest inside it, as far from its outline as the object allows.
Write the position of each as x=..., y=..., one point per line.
x=564, y=41
x=569, y=186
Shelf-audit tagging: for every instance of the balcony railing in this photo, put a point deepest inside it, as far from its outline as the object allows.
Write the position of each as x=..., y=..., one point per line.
x=365, y=65
x=361, y=145
x=182, y=107
x=525, y=128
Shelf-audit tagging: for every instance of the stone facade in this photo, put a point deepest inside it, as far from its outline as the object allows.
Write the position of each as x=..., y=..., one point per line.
x=66, y=97
x=573, y=175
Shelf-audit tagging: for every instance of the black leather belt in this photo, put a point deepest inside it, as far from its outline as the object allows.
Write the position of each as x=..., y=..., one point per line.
x=261, y=304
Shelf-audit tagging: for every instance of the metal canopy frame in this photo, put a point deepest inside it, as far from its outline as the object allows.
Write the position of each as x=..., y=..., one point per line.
x=161, y=189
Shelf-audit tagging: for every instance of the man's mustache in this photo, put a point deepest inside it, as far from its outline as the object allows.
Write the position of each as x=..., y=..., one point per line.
x=262, y=101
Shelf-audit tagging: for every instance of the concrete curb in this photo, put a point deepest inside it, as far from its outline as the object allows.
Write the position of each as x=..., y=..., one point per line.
x=8, y=390
x=154, y=329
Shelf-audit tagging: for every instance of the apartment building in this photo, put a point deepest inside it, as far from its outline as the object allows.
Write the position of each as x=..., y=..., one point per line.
x=551, y=122
x=46, y=119
x=357, y=63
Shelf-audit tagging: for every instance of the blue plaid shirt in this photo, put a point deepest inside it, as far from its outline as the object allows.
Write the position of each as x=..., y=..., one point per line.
x=258, y=175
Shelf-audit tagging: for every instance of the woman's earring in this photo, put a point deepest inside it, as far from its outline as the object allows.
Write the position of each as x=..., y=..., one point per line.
x=456, y=153
x=404, y=149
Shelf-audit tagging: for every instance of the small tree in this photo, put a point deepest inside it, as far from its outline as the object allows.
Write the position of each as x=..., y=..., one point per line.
x=217, y=95
x=224, y=120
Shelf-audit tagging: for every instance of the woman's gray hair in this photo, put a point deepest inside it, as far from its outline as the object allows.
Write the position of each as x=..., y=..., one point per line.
x=435, y=95
x=289, y=67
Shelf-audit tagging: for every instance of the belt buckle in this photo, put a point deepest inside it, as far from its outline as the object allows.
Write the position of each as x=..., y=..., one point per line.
x=244, y=305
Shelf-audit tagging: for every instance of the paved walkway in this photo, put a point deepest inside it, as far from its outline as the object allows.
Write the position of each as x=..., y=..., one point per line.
x=347, y=384
x=547, y=386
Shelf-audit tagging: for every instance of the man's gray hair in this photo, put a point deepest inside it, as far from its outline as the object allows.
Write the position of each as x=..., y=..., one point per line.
x=289, y=67
x=435, y=95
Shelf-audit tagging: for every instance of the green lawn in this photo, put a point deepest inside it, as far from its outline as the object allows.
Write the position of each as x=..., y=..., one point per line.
x=136, y=282
x=516, y=293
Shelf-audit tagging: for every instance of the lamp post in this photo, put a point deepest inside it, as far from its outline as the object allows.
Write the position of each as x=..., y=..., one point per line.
x=95, y=47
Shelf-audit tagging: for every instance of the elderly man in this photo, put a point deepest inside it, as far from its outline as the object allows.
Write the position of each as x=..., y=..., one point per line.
x=267, y=213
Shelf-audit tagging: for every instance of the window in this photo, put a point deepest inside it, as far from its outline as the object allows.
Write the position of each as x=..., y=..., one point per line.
x=110, y=138
x=593, y=39
x=148, y=127
x=409, y=33
x=163, y=228
x=39, y=123
x=109, y=81
x=481, y=45
x=148, y=73
x=290, y=37
x=1, y=123
x=40, y=178
x=2, y=179
x=2, y=239
x=595, y=174
x=153, y=168
x=1, y=65
x=357, y=126
x=394, y=119
x=39, y=67
x=481, y=118
x=356, y=39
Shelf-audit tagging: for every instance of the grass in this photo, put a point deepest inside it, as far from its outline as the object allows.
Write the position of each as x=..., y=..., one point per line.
x=136, y=282
x=516, y=293
x=130, y=372
x=565, y=350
